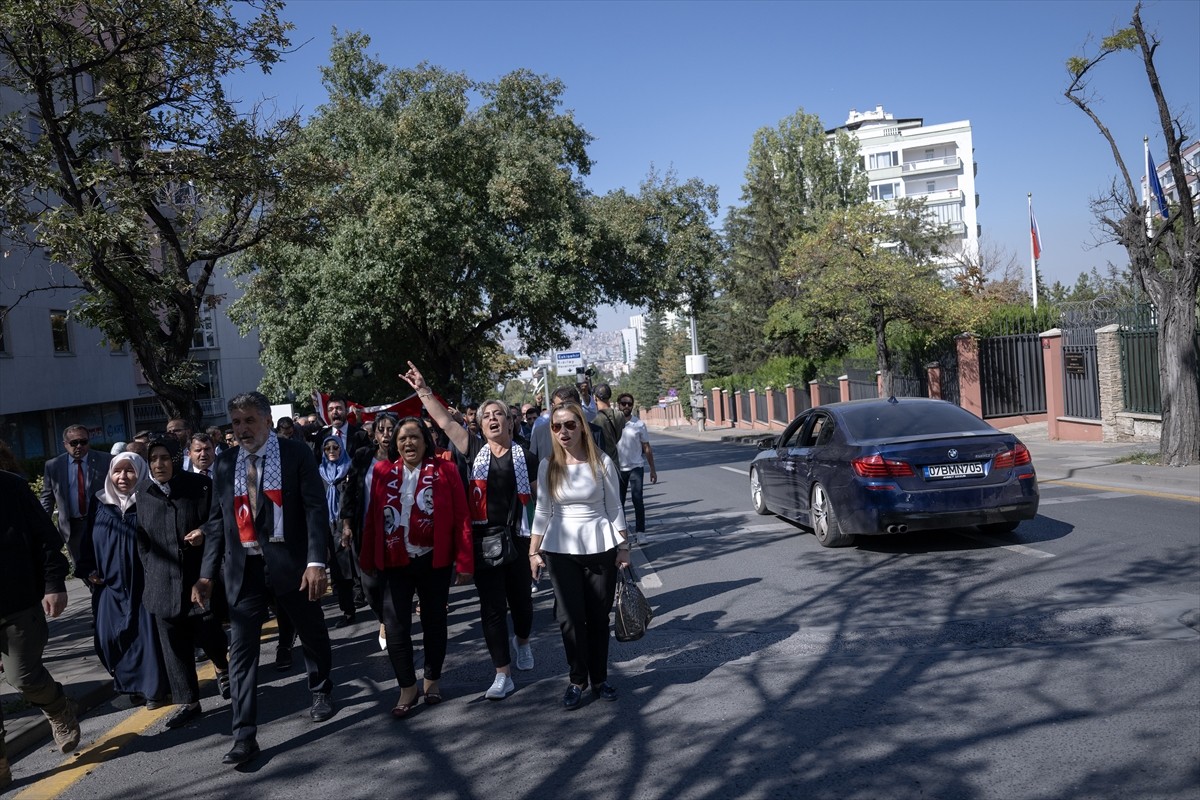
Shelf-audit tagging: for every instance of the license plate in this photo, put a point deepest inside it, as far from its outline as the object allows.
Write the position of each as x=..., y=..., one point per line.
x=973, y=469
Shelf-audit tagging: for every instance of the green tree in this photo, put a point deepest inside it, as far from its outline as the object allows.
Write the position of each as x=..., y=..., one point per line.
x=1164, y=257
x=644, y=381
x=155, y=173
x=671, y=366
x=458, y=213
x=795, y=174
x=864, y=271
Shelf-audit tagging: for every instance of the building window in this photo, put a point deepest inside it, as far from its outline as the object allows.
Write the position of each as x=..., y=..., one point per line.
x=210, y=380
x=60, y=330
x=206, y=327
x=930, y=187
x=884, y=191
x=883, y=160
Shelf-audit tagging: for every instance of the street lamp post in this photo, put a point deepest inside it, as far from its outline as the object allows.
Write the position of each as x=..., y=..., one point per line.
x=696, y=365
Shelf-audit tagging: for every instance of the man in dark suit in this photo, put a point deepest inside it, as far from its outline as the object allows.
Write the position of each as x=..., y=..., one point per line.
x=352, y=437
x=70, y=481
x=171, y=509
x=270, y=524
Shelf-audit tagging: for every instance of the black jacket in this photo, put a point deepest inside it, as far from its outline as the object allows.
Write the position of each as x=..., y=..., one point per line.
x=171, y=566
x=32, y=563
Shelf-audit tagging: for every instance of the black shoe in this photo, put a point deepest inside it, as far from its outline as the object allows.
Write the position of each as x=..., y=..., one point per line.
x=243, y=751
x=154, y=703
x=201, y=656
x=223, y=684
x=347, y=619
x=183, y=715
x=572, y=697
x=283, y=659
x=322, y=707
x=605, y=691
x=360, y=601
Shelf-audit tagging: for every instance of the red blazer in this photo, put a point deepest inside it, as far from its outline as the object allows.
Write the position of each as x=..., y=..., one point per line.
x=452, y=542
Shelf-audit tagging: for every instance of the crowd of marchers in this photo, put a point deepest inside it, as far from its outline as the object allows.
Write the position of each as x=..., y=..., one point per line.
x=189, y=542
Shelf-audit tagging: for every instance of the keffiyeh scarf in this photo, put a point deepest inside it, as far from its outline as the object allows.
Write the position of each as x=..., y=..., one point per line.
x=479, y=476
x=272, y=490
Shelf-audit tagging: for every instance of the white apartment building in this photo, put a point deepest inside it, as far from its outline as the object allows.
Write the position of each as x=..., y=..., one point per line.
x=934, y=163
x=1190, y=155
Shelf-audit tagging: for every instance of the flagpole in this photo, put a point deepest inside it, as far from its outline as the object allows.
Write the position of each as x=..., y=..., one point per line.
x=1032, y=255
x=1146, y=186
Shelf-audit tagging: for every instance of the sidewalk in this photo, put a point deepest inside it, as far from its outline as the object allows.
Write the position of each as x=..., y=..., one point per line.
x=1076, y=462
x=71, y=659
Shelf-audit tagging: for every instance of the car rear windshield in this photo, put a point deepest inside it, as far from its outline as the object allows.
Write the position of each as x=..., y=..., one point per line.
x=901, y=419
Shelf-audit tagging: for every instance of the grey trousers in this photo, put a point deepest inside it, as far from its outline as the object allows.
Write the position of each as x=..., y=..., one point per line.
x=23, y=636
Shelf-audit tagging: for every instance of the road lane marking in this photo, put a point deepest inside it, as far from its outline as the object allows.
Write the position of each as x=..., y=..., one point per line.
x=1016, y=548
x=110, y=743
x=1079, y=498
x=647, y=577
x=738, y=470
x=1143, y=492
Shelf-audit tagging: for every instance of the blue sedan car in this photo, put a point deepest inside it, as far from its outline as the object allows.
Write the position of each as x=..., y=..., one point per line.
x=870, y=467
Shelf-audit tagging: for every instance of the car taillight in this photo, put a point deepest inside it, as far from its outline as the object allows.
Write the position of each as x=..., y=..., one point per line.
x=1017, y=457
x=877, y=466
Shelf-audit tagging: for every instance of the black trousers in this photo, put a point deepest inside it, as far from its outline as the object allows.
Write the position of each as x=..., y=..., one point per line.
x=180, y=636
x=432, y=585
x=503, y=589
x=247, y=614
x=584, y=587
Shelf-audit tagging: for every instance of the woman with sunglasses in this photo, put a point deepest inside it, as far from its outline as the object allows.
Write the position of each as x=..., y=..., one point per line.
x=416, y=533
x=579, y=531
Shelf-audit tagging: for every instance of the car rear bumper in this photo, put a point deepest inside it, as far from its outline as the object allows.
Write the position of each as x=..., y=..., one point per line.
x=883, y=509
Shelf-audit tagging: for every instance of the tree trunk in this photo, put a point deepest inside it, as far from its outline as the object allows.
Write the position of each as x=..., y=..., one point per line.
x=1177, y=358
x=883, y=356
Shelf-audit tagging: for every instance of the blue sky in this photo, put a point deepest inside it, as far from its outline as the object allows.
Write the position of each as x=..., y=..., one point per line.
x=684, y=85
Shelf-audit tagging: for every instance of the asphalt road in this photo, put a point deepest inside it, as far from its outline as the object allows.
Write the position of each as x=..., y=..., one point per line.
x=1061, y=661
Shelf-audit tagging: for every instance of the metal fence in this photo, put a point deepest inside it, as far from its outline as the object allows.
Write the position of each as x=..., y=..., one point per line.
x=731, y=402
x=829, y=393
x=1139, y=366
x=760, y=407
x=863, y=390
x=779, y=409
x=1081, y=374
x=1012, y=380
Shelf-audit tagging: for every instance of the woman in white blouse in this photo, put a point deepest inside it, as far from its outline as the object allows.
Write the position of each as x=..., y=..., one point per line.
x=579, y=531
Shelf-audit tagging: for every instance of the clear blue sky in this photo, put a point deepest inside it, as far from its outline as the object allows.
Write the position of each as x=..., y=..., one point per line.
x=684, y=85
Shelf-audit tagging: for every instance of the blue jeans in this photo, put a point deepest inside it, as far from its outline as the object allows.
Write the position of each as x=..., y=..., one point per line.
x=631, y=483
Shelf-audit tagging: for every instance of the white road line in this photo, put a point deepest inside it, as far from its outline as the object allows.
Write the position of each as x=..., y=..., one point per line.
x=1016, y=548
x=647, y=577
x=738, y=470
x=1079, y=498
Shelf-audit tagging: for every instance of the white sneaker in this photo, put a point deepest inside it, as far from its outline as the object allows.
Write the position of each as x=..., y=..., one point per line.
x=501, y=688
x=524, y=654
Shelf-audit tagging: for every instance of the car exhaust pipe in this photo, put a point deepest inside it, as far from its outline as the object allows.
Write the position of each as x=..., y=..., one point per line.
x=897, y=529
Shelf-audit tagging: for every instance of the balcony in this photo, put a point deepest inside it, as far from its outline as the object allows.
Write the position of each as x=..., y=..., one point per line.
x=938, y=198
x=927, y=165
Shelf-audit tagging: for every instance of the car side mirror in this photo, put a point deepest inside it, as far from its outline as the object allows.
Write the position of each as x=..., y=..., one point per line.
x=769, y=443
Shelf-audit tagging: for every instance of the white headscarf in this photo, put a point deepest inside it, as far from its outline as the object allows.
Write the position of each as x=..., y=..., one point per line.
x=110, y=494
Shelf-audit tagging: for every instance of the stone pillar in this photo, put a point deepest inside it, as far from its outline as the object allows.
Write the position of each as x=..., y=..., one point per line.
x=741, y=408
x=814, y=393
x=933, y=373
x=752, y=411
x=844, y=387
x=793, y=402
x=970, y=395
x=1052, y=361
x=1112, y=381
x=770, y=420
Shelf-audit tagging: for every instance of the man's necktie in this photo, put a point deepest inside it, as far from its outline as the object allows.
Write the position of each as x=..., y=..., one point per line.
x=252, y=483
x=81, y=487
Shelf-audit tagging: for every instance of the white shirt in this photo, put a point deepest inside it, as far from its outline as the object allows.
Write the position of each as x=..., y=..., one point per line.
x=629, y=446
x=586, y=516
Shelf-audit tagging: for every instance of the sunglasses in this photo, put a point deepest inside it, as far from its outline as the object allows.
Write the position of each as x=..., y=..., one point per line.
x=77, y=442
x=624, y=402
x=569, y=424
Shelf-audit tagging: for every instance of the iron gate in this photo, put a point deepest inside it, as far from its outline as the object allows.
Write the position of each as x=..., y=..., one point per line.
x=1012, y=380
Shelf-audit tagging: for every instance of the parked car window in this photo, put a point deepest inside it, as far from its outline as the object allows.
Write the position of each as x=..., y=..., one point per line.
x=813, y=431
x=826, y=432
x=905, y=419
x=791, y=437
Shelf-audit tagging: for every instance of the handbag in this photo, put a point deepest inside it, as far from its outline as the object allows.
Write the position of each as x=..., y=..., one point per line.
x=495, y=549
x=633, y=612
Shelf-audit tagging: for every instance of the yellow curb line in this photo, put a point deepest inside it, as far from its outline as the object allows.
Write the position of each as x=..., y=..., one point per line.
x=1143, y=492
x=81, y=763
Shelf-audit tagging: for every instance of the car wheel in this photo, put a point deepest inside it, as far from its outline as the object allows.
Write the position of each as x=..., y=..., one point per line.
x=756, y=493
x=999, y=527
x=825, y=522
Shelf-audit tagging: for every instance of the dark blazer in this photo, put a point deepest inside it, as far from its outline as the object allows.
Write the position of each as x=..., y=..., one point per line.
x=305, y=523
x=171, y=566
x=56, y=485
x=32, y=564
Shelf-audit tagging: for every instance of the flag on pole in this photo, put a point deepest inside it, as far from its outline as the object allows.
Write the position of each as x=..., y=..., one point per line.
x=1035, y=236
x=1158, y=200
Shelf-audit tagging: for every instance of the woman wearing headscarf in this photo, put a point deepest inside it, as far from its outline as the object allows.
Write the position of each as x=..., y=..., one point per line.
x=417, y=532
x=126, y=637
x=579, y=530
x=335, y=469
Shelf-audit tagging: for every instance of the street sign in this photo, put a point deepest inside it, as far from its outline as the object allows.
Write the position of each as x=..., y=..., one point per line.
x=566, y=363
